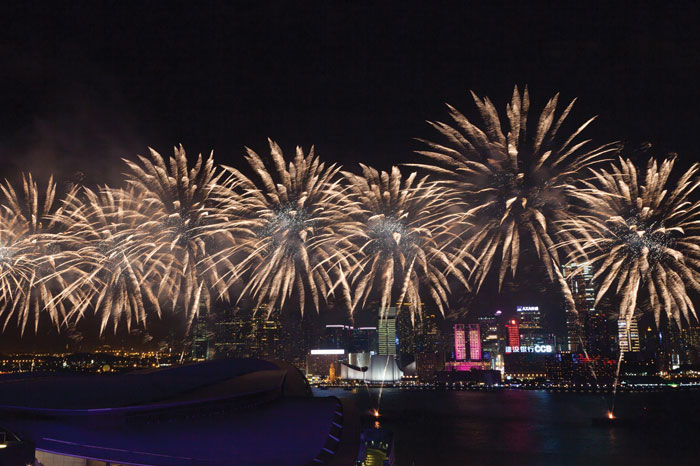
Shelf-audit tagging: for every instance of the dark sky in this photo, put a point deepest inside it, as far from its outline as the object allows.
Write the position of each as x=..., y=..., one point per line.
x=86, y=83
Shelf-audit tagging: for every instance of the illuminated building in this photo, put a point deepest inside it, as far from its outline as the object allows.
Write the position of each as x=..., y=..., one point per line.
x=530, y=316
x=527, y=362
x=478, y=373
x=366, y=367
x=364, y=339
x=275, y=336
x=594, y=368
x=324, y=362
x=386, y=332
x=466, y=365
x=491, y=340
x=460, y=343
x=338, y=336
x=690, y=345
x=383, y=368
x=530, y=329
x=428, y=363
x=588, y=326
x=559, y=367
x=265, y=334
x=628, y=335
x=525, y=365
x=582, y=291
x=474, y=342
x=200, y=339
x=356, y=366
x=489, y=334
x=428, y=333
x=406, y=332
x=230, y=332
x=351, y=339
x=513, y=333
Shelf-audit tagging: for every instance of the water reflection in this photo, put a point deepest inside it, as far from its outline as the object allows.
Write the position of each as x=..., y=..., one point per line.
x=526, y=427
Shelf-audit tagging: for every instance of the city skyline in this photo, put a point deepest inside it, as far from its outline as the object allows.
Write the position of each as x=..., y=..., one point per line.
x=349, y=233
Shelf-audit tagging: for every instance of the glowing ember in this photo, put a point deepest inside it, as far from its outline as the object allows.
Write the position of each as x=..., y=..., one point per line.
x=611, y=415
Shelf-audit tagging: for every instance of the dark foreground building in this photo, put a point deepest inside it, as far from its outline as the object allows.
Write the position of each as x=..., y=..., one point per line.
x=240, y=411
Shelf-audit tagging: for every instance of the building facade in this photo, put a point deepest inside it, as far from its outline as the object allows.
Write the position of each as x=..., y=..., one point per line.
x=386, y=332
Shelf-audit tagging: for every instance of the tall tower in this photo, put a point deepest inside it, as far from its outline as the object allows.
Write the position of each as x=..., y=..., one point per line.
x=386, y=330
x=200, y=339
x=460, y=343
x=589, y=326
x=628, y=335
x=513, y=333
x=474, y=342
x=428, y=335
x=530, y=317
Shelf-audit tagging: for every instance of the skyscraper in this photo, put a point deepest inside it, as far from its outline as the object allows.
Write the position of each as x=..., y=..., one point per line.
x=364, y=340
x=386, y=330
x=428, y=338
x=492, y=342
x=530, y=316
x=489, y=334
x=406, y=330
x=589, y=325
x=690, y=344
x=266, y=333
x=531, y=329
x=513, y=333
x=460, y=343
x=474, y=342
x=628, y=335
x=337, y=336
x=200, y=339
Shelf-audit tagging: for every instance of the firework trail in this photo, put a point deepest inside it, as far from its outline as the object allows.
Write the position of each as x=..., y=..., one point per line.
x=400, y=228
x=29, y=258
x=642, y=234
x=117, y=248
x=286, y=226
x=515, y=185
x=182, y=203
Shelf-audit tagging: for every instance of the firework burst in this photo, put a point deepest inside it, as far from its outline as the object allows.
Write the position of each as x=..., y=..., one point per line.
x=515, y=185
x=181, y=202
x=400, y=228
x=642, y=233
x=286, y=227
x=116, y=250
x=30, y=260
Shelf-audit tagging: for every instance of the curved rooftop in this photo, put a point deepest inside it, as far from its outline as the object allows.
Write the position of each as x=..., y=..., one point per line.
x=239, y=411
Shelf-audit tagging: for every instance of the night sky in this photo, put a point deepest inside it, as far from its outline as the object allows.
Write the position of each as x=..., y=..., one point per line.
x=87, y=83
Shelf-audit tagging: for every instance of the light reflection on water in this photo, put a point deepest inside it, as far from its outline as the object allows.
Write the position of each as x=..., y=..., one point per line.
x=528, y=427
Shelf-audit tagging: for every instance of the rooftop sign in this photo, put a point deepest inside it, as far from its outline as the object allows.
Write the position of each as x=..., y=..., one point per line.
x=529, y=349
x=327, y=351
